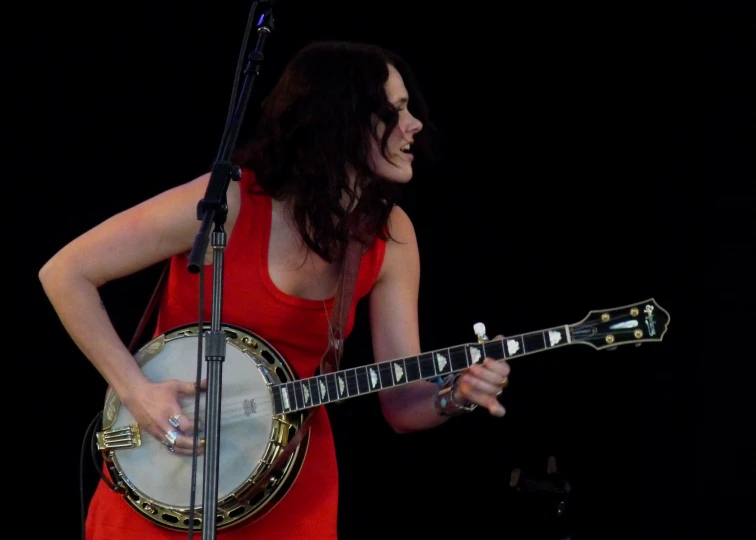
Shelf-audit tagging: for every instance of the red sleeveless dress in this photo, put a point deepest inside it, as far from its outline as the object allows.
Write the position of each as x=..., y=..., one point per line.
x=297, y=328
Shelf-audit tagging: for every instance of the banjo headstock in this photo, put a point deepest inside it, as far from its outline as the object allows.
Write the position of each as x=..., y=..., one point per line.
x=637, y=323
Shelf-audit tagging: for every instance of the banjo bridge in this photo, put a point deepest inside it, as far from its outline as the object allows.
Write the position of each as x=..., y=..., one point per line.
x=124, y=437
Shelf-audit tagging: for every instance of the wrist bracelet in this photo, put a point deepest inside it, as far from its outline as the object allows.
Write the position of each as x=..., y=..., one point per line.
x=445, y=404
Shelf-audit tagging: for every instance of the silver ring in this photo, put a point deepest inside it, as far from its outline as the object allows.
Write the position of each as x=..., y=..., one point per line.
x=174, y=419
x=171, y=436
x=168, y=446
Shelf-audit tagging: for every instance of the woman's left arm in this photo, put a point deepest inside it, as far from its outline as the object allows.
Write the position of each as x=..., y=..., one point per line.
x=395, y=334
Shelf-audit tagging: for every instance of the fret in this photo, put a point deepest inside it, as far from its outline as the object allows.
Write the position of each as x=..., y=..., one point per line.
x=475, y=354
x=351, y=380
x=362, y=380
x=306, y=393
x=304, y=390
x=387, y=378
x=413, y=368
x=296, y=387
x=277, y=400
x=322, y=388
x=399, y=372
x=333, y=394
x=427, y=366
x=341, y=386
x=374, y=378
x=513, y=346
x=458, y=356
x=284, y=399
x=442, y=362
x=556, y=336
x=494, y=349
x=288, y=402
x=292, y=394
x=533, y=342
x=314, y=393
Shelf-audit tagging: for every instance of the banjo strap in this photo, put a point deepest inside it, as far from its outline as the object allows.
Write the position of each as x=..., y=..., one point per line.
x=332, y=357
x=342, y=306
x=154, y=301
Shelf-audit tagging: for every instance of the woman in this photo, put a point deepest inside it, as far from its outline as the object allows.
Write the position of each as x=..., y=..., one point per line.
x=334, y=141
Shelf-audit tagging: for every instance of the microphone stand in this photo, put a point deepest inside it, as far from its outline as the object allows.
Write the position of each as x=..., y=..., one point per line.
x=213, y=209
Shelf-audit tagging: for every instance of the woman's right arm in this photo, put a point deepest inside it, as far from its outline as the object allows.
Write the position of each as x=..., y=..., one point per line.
x=130, y=241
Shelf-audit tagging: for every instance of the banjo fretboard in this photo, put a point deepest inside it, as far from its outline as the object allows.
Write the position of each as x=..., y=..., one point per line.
x=358, y=381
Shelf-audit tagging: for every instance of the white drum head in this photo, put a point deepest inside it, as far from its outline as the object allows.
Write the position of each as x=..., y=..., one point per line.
x=246, y=423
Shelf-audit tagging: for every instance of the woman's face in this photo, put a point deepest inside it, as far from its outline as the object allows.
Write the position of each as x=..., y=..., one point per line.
x=398, y=168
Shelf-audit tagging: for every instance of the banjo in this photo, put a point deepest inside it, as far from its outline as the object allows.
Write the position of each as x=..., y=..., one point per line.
x=264, y=406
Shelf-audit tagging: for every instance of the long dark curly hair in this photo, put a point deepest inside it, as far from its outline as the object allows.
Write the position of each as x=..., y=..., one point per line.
x=317, y=121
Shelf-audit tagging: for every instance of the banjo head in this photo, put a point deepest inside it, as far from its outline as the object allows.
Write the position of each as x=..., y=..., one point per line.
x=158, y=482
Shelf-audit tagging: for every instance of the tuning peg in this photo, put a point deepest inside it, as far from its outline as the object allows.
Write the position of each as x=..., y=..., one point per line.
x=480, y=331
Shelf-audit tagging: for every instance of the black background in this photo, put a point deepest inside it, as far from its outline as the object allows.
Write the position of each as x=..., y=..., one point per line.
x=594, y=154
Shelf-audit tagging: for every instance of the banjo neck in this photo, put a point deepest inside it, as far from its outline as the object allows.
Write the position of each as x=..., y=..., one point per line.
x=601, y=329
